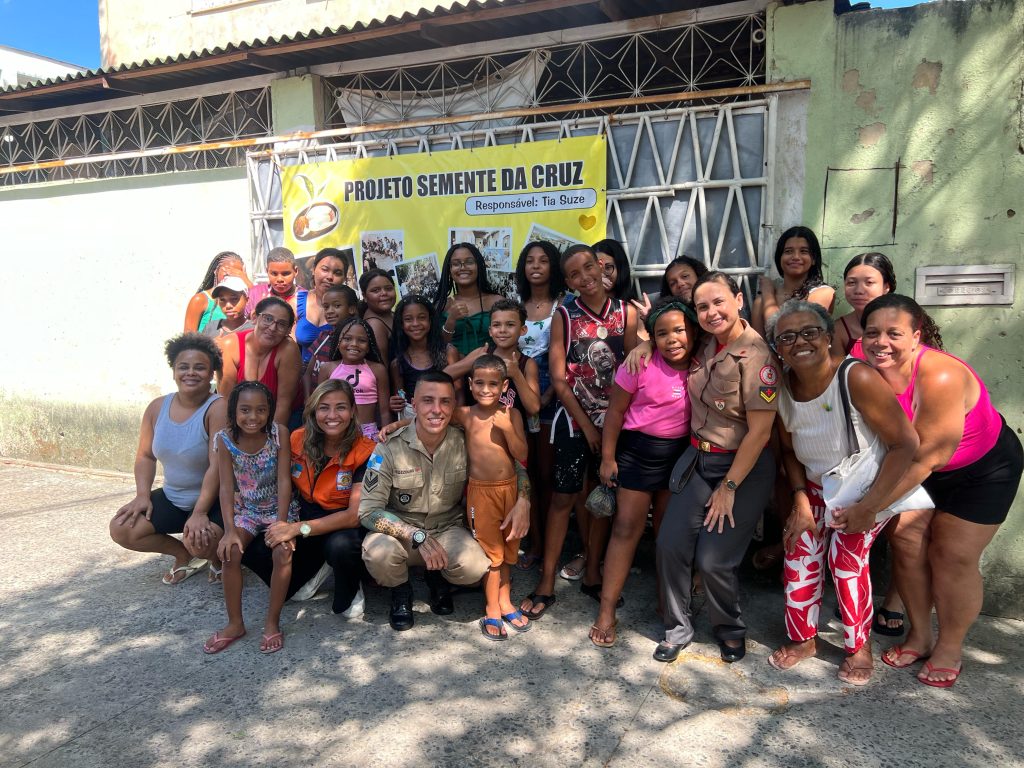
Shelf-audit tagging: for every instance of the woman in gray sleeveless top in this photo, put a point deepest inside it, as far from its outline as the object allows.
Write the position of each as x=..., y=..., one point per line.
x=176, y=431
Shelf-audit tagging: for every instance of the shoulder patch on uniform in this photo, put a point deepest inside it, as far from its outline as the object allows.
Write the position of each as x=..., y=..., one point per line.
x=343, y=481
x=719, y=404
x=769, y=375
x=768, y=394
x=296, y=469
x=370, y=479
x=376, y=461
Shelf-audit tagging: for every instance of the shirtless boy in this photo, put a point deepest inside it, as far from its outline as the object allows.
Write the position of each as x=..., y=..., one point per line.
x=495, y=439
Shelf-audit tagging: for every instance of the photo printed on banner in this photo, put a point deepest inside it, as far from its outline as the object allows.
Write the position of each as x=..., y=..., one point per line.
x=503, y=283
x=418, y=275
x=494, y=244
x=382, y=249
x=557, y=239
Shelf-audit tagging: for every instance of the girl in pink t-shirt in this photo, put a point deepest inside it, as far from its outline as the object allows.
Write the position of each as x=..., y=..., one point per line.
x=646, y=429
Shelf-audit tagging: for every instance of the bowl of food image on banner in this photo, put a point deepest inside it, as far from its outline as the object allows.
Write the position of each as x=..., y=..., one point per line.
x=315, y=220
x=318, y=216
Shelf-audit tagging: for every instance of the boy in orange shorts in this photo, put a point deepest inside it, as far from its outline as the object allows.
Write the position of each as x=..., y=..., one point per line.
x=495, y=438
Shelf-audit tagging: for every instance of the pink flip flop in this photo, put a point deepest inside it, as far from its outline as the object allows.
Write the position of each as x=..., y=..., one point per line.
x=268, y=639
x=218, y=642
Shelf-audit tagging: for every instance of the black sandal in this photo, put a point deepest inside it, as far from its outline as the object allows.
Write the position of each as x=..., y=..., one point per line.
x=883, y=628
x=545, y=602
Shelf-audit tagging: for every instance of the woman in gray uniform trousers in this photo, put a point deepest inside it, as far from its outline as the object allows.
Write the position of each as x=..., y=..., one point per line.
x=721, y=484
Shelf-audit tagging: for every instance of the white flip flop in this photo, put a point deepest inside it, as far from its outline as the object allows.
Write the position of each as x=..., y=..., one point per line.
x=190, y=569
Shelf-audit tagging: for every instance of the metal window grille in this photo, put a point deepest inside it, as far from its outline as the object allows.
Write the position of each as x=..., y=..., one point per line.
x=713, y=54
x=221, y=117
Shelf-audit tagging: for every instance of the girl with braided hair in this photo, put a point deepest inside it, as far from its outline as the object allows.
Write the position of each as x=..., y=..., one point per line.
x=256, y=485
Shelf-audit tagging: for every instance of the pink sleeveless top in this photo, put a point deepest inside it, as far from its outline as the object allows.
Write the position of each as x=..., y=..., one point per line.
x=364, y=383
x=982, y=424
x=857, y=350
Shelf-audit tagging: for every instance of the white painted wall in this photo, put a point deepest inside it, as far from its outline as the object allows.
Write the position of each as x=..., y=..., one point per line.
x=98, y=276
x=14, y=63
x=134, y=30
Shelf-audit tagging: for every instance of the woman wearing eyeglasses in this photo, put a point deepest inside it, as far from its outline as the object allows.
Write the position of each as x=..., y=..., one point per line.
x=812, y=431
x=266, y=354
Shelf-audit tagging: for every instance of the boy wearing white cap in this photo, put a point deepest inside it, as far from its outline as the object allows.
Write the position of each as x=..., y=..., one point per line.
x=231, y=295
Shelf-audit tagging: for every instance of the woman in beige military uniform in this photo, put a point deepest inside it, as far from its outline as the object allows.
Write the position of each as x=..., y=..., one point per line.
x=721, y=484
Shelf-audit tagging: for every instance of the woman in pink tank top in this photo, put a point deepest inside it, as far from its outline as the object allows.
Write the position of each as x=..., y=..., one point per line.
x=970, y=462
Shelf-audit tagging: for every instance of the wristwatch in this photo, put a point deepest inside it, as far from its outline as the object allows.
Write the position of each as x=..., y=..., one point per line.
x=418, y=537
x=730, y=485
x=305, y=530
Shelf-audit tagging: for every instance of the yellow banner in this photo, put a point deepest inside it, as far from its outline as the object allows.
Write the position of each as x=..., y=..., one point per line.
x=402, y=213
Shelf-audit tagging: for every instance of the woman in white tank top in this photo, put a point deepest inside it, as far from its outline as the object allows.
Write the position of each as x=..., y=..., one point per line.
x=812, y=430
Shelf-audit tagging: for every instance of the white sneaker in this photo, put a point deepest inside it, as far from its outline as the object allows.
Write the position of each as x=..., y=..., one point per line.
x=355, y=610
x=310, y=588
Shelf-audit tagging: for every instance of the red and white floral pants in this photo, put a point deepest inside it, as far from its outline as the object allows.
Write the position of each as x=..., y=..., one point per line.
x=804, y=575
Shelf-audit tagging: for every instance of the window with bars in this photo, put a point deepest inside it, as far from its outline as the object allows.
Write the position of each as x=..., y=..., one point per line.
x=206, y=119
x=692, y=57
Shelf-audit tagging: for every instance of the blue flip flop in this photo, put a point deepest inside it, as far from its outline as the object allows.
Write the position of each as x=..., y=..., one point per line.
x=498, y=624
x=515, y=616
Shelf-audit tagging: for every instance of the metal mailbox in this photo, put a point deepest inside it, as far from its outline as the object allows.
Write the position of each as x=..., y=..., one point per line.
x=965, y=285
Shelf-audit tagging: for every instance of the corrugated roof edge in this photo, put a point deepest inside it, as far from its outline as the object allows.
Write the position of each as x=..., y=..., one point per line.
x=313, y=34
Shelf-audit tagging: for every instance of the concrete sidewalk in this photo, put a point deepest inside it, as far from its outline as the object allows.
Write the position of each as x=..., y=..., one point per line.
x=101, y=665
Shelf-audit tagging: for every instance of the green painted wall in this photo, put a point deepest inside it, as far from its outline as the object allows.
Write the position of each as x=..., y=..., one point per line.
x=936, y=88
x=297, y=104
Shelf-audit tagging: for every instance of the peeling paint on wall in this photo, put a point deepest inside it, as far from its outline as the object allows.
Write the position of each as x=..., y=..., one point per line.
x=927, y=75
x=866, y=101
x=870, y=135
x=851, y=80
x=860, y=218
x=924, y=170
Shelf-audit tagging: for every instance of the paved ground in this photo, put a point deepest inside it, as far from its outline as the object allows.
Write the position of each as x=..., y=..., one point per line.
x=100, y=665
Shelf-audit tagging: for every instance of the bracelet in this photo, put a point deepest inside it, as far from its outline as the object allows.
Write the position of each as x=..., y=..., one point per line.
x=798, y=489
x=446, y=329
